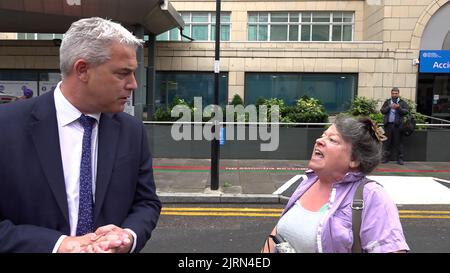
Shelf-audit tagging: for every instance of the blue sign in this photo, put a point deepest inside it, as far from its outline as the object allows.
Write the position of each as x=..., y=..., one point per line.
x=434, y=61
x=222, y=136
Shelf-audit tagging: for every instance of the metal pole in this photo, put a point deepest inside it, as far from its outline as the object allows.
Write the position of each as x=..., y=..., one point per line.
x=215, y=148
x=139, y=93
x=151, y=76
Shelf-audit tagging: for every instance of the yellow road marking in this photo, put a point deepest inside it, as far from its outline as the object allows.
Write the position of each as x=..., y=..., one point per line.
x=426, y=216
x=426, y=211
x=223, y=209
x=180, y=213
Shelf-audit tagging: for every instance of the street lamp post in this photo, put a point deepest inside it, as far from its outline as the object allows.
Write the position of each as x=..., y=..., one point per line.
x=215, y=148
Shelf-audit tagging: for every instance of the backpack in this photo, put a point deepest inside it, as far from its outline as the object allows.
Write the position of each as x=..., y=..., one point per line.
x=357, y=207
x=408, y=126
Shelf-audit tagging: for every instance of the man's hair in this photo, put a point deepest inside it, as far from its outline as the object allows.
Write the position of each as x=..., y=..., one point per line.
x=395, y=89
x=365, y=147
x=91, y=39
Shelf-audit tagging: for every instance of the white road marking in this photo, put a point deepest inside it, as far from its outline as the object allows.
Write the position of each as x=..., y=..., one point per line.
x=404, y=190
x=414, y=189
x=286, y=185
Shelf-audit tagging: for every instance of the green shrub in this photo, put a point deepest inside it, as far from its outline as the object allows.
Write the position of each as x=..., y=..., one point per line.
x=378, y=118
x=363, y=106
x=366, y=107
x=307, y=110
x=270, y=103
x=162, y=114
x=177, y=101
x=412, y=113
x=237, y=100
x=259, y=101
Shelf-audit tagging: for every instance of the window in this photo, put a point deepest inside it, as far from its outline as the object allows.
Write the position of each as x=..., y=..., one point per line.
x=335, y=91
x=187, y=85
x=300, y=26
x=200, y=26
x=342, y=26
x=39, y=81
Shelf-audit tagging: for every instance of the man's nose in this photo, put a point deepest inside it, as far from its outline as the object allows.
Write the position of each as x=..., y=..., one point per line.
x=132, y=84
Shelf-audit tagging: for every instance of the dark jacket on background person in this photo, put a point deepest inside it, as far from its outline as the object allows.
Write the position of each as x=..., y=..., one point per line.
x=402, y=111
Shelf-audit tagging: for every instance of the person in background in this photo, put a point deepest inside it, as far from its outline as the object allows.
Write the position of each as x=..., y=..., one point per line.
x=88, y=185
x=27, y=93
x=318, y=216
x=393, y=110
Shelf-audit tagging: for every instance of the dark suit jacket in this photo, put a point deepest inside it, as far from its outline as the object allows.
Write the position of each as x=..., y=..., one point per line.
x=386, y=108
x=33, y=200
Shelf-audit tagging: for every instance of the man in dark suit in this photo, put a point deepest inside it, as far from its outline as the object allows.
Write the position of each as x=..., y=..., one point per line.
x=75, y=171
x=393, y=110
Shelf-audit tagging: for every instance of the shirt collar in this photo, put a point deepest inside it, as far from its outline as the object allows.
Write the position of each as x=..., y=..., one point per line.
x=68, y=113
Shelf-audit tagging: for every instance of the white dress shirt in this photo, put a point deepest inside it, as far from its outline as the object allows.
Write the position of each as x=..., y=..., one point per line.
x=70, y=140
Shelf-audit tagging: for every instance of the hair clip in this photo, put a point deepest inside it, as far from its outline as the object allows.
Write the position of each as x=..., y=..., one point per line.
x=378, y=132
x=375, y=131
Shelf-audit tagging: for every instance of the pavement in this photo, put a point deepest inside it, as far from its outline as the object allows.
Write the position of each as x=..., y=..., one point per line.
x=272, y=181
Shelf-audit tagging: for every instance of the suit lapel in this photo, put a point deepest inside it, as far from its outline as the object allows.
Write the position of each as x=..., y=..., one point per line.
x=108, y=136
x=44, y=132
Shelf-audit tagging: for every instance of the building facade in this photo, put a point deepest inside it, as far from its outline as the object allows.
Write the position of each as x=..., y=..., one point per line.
x=330, y=50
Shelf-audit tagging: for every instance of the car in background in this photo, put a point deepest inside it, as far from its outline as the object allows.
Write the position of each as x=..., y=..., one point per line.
x=5, y=98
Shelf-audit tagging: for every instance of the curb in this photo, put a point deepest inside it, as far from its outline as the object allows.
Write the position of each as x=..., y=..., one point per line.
x=221, y=198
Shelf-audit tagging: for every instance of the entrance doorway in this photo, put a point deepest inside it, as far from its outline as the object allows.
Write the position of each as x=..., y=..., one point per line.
x=433, y=95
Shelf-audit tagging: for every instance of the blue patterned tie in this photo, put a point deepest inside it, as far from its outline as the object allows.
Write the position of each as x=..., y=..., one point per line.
x=86, y=204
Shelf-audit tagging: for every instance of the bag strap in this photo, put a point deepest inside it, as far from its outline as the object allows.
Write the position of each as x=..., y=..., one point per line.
x=357, y=207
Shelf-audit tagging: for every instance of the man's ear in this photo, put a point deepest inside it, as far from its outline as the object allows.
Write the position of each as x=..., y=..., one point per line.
x=354, y=164
x=81, y=68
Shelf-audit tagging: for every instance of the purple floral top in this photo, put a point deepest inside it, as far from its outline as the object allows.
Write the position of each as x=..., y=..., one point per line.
x=381, y=230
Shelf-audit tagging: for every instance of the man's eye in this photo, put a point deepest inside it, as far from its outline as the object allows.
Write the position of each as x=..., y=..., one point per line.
x=124, y=73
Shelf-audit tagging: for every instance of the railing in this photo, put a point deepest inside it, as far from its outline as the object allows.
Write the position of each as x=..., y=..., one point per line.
x=295, y=140
x=306, y=124
x=439, y=120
